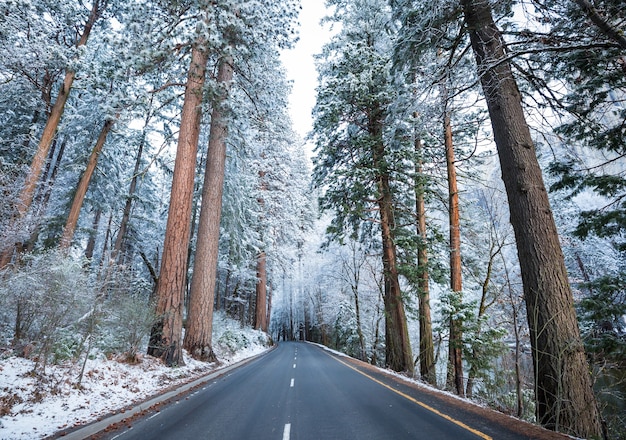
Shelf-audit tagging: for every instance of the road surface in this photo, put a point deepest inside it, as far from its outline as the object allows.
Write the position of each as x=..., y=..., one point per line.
x=301, y=392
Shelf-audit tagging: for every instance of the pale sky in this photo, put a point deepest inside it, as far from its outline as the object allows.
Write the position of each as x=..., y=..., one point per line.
x=301, y=66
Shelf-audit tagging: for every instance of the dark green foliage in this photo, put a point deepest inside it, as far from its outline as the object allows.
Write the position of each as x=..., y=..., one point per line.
x=482, y=341
x=602, y=314
x=355, y=85
x=591, y=66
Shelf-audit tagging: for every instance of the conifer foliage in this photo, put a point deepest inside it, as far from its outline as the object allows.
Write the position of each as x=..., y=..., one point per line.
x=149, y=175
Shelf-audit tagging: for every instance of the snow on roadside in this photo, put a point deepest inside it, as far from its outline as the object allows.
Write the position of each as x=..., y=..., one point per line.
x=41, y=407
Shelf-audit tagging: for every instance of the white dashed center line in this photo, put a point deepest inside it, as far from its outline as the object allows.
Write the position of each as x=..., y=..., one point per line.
x=292, y=382
x=287, y=431
x=294, y=365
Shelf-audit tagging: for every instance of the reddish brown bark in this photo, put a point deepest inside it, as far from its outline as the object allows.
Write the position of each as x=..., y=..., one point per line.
x=83, y=184
x=456, y=279
x=165, y=339
x=260, y=319
x=398, y=346
x=427, y=350
x=198, y=337
x=269, y=306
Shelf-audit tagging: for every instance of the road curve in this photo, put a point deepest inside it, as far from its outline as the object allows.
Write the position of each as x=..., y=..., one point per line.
x=301, y=392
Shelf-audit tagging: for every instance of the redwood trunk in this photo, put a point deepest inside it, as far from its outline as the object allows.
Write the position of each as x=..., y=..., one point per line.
x=398, y=348
x=268, y=318
x=165, y=338
x=565, y=400
x=198, y=337
x=456, y=281
x=260, y=319
x=83, y=184
x=397, y=344
x=427, y=350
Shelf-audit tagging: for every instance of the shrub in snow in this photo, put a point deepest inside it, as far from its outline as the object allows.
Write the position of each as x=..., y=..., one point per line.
x=54, y=311
x=230, y=338
x=232, y=341
x=44, y=301
x=129, y=318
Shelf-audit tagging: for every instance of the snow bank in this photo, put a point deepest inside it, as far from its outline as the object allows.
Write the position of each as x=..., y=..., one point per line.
x=36, y=407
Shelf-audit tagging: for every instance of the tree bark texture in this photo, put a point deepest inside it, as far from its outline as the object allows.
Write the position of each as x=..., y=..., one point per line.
x=427, y=348
x=565, y=400
x=456, y=280
x=83, y=185
x=260, y=317
x=39, y=160
x=165, y=338
x=398, y=346
x=198, y=337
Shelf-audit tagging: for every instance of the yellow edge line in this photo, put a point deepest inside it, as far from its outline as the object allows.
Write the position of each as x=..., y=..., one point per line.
x=417, y=402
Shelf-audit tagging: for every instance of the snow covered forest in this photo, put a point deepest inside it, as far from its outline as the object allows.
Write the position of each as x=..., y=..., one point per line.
x=461, y=219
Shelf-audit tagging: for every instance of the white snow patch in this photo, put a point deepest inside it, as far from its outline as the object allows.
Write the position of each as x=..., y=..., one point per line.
x=32, y=407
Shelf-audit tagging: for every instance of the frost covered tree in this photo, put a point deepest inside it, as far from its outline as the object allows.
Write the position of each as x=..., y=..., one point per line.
x=353, y=164
x=239, y=39
x=165, y=339
x=85, y=23
x=565, y=400
x=547, y=293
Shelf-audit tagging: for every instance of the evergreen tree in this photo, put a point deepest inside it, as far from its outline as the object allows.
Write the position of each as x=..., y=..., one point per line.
x=354, y=163
x=239, y=40
x=38, y=162
x=165, y=339
x=563, y=386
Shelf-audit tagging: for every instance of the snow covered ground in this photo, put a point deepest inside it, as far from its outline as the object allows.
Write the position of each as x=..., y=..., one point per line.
x=32, y=408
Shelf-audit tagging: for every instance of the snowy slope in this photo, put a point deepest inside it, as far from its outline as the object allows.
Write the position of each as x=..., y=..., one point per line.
x=32, y=407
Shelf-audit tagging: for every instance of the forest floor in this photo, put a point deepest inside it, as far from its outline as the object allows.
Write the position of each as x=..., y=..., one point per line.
x=37, y=406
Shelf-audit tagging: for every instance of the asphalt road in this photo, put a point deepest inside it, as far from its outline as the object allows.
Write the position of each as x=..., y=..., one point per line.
x=301, y=392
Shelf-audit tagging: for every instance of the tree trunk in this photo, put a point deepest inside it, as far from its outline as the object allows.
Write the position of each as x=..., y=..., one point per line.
x=49, y=131
x=565, y=399
x=615, y=34
x=456, y=280
x=397, y=344
x=516, y=332
x=398, y=347
x=105, y=247
x=260, y=318
x=91, y=243
x=427, y=350
x=83, y=184
x=482, y=309
x=42, y=200
x=198, y=337
x=269, y=306
x=165, y=338
x=121, y=234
